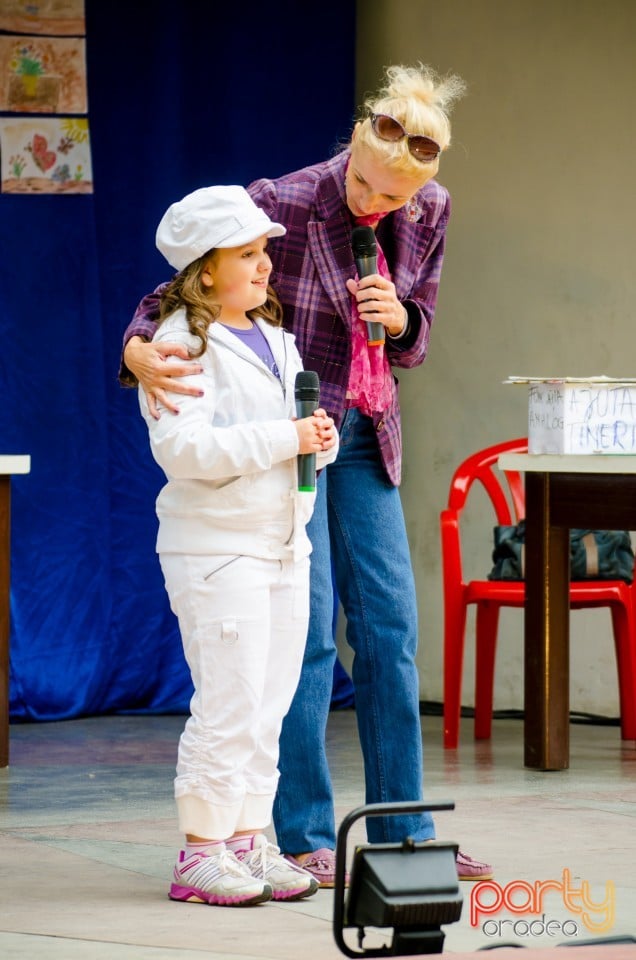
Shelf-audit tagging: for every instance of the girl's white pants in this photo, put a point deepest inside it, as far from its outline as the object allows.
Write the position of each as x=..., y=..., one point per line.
x=243, y=623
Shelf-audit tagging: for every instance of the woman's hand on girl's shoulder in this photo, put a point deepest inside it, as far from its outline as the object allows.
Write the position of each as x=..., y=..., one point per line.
x=149, y=363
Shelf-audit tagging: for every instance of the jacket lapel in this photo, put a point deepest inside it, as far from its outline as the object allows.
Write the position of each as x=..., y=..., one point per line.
x=411, y=241
x=329, y=237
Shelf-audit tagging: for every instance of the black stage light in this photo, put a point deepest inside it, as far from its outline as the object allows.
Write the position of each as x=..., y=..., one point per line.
x=409, y=887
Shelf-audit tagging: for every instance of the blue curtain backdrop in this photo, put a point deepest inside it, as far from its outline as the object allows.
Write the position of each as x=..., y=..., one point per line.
x=181, y=95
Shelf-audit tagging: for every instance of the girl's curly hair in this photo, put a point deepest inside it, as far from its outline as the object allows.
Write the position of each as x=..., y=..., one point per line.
x=187, y=291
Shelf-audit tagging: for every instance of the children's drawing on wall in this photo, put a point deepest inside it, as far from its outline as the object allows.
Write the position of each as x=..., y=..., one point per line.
x=43, y=75
x=45, y=155
x=53, y=17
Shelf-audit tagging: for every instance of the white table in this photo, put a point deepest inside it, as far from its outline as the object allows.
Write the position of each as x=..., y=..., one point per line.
x=9, y=465
x=596, y=492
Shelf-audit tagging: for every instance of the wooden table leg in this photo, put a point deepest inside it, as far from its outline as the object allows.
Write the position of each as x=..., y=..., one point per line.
x=5, y=562
x=546, y=632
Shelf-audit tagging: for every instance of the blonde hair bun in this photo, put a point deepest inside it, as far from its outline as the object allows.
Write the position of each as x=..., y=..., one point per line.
x=421, y=100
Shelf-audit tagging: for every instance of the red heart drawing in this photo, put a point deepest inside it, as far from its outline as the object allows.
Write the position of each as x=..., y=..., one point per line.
x=43, y=157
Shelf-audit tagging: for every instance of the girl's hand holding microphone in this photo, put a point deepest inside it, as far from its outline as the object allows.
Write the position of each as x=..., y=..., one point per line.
x=315, y=433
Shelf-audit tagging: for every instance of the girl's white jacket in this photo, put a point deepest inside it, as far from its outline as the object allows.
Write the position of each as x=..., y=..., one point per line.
x=230, y=455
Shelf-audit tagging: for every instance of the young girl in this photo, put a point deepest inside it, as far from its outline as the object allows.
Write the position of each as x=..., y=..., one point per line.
x=232, y=541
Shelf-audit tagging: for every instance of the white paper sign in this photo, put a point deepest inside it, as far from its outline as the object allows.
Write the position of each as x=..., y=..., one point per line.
x=582, y=417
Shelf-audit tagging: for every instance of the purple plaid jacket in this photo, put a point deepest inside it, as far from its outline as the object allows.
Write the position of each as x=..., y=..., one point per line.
x=313, y=261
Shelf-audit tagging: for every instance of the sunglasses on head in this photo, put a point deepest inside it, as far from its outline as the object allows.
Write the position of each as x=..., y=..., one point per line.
x=388, y=128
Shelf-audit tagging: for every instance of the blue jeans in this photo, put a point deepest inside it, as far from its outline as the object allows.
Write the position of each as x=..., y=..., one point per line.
x=359, y=525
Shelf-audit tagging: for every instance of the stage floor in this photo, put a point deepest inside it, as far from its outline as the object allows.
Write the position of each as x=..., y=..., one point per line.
x=88, y=840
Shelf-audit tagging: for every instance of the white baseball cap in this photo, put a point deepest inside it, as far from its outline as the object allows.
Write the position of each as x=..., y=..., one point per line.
x=209, y=218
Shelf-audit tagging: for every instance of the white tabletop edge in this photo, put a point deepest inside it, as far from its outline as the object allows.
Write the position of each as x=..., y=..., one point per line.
x=567, y=463
x=19, y=463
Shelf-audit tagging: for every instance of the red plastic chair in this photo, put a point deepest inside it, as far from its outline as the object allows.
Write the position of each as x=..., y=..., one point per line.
x=507, y=494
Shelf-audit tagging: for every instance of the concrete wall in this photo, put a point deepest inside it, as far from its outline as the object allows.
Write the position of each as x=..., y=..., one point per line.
x=539, y=275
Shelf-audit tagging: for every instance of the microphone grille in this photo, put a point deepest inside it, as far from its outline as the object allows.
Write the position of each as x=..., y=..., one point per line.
x=307, y=385
x=363, y=242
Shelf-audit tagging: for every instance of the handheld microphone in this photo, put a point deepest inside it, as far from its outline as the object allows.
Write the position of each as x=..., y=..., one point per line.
x=307, y=394
x=365, y=254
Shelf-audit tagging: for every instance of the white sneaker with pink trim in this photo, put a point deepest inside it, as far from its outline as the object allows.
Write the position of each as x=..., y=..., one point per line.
x=218, y=879
x=265, y=861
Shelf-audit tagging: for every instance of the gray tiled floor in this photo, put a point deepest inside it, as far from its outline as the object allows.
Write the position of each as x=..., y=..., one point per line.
x=88, y=838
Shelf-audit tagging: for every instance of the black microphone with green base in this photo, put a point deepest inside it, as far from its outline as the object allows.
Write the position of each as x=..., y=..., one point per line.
x=307, y=393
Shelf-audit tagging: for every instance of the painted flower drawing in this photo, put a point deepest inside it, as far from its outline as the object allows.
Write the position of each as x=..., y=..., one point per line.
x=28, y=61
